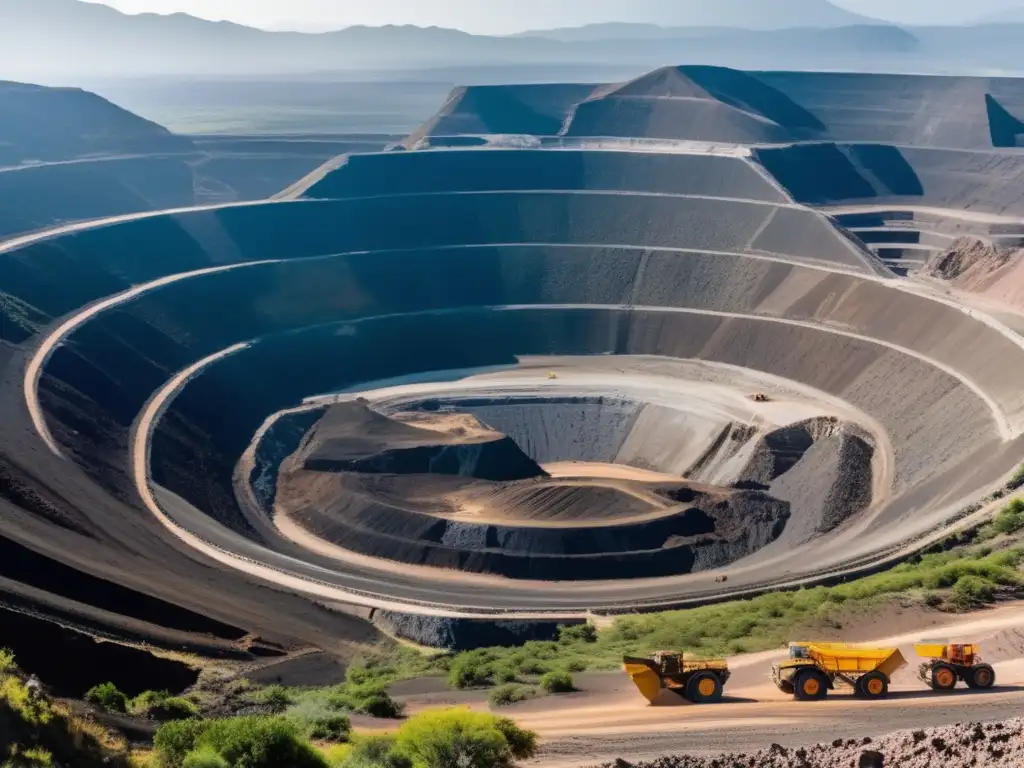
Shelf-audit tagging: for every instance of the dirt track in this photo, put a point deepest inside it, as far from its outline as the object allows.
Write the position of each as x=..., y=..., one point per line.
x=608, y=719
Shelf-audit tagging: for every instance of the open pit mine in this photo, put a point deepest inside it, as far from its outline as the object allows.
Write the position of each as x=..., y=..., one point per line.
x=567, y=349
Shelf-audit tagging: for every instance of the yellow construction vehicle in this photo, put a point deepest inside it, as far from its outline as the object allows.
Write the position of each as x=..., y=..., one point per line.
x=700, y=681
x=813, y=669
x=949, y=663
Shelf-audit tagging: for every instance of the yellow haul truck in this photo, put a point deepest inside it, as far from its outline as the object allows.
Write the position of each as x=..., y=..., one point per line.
x=698, y=680
x=813, y=669
x=948, y=663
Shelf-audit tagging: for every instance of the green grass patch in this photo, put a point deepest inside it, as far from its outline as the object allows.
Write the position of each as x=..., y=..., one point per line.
x=967, y=577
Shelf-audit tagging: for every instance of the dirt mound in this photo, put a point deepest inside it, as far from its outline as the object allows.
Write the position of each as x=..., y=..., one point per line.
x=537, y=110
x=829, y=484
x=697, y=103
x=990, y=745
x=350, y=437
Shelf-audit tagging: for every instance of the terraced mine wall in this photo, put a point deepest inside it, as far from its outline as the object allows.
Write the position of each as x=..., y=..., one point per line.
x=476, y=280
x=960, y=180
x=394, y=173
x=490, y=277
x=909, y=110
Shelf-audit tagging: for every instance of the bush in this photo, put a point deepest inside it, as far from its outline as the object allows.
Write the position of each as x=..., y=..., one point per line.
x=505, y=673
x=523, y=743
x=533, y=667
x=469, y=671
x=6, y=661
x=370, y=700
x=1017, y=480
x=174, y=741
x=557, y=682
x=277, y=697
x=971, y=591
x=205, y=758
x=577, y=633
x=462, y=738
x=174, y=708
x=1011, y=519
x=506, y=695
x=932, y=599
x=576, y=665
x=145, y=701
x=108, y=697
x=376, y=751
x=320, y=721
x=243, y=742
x=160, y=705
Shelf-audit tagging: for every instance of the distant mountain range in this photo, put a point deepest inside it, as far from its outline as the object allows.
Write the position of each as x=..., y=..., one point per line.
x=71, y=42
x=646, y=16
x=1008, y=16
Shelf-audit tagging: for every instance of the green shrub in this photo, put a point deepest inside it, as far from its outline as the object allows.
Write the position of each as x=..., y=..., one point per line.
x=557, y=682
x=576, y=665
x=506, y=695
x=1017, y=480
x=174, y=708
x=371, y=699
x=276, y=697
x=174, y=741
x=577, y=633
x=932, y=599
x=505, y=673
x=462, y=738
x=243, y=742
x=533, y=667
x=205, y=758
x=145, y=701
x=376, y=751
x=160, y=705
x=1011, y=519
x=521, y=742
x=469, y=671
x=971, y=591
x=107, y=696
x=6, y=661
x=319, y=720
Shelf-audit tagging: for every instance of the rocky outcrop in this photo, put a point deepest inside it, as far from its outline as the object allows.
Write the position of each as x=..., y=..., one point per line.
x=463, y=634
x=968, y=259
x=989, y=745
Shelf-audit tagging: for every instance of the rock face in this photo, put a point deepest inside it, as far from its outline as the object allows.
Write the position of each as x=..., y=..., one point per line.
x=463, y=634
x=968, y=260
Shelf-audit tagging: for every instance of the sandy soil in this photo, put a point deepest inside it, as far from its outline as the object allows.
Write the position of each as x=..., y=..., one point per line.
x=581, y=469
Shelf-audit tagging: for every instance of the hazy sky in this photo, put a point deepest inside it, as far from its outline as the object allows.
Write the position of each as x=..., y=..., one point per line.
x=495, y=16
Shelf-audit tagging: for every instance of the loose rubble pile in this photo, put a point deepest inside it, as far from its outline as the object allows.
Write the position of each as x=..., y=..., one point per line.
x=977, y=745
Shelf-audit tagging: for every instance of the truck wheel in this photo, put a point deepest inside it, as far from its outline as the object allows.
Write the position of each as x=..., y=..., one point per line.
x=943, y=677
x=873, y=685
x=981, y=677
x=704, y=688
x=810, y=685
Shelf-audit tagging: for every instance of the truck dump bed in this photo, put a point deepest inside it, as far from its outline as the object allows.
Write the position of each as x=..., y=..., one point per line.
x=851, y=659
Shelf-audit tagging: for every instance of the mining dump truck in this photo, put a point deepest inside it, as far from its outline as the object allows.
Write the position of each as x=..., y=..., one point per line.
x=814, y=669
x=700, y=681
x=948, y=663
